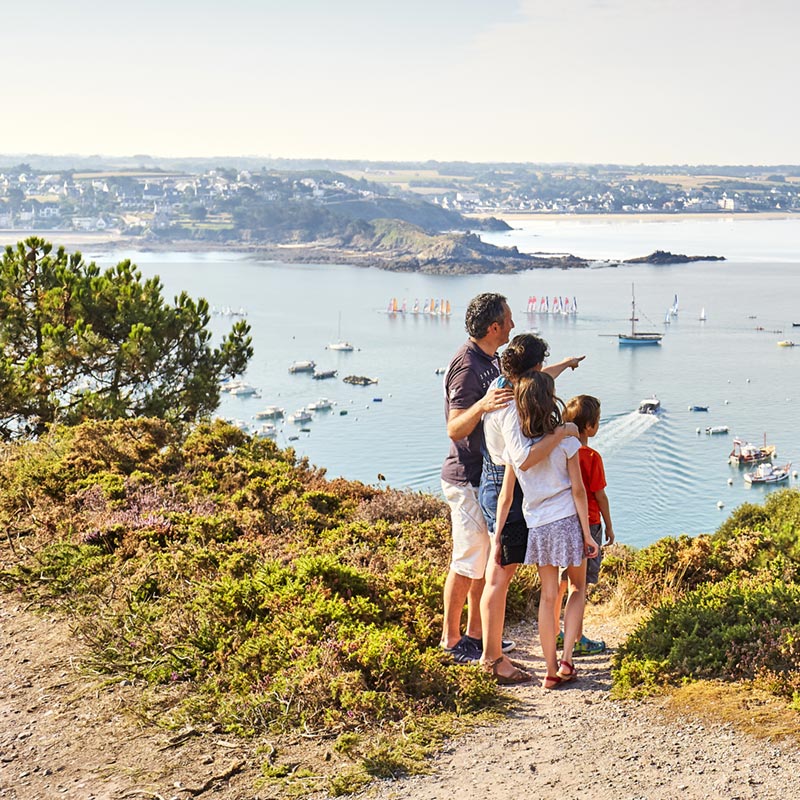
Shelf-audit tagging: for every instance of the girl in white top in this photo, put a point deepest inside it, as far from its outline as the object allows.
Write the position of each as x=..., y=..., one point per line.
x=556, y=512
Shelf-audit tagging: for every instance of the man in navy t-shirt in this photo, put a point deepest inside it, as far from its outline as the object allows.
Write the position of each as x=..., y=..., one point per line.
x=473, y=368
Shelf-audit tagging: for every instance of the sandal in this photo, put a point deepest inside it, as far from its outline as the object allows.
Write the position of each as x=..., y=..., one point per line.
x=566, y=671
x=517, y=676
x=552, y=682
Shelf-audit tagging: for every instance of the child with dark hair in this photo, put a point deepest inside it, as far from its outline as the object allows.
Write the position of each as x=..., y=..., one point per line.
x=584, y=412
x=555, y=510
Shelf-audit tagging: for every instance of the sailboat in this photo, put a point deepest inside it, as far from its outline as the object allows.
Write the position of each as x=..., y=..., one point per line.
x=341, y=344
x=702, y=314
x=638, y=337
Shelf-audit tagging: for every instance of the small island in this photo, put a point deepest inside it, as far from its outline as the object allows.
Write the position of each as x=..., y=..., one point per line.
x=665, y=257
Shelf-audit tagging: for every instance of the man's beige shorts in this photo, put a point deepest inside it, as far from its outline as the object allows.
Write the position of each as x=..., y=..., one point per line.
x=471, y=543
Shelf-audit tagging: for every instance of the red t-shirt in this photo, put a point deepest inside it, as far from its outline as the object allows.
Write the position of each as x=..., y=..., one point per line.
x=594, y=479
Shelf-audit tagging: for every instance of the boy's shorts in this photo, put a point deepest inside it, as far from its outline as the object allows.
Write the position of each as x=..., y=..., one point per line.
x=592, y=564
x=470, y=535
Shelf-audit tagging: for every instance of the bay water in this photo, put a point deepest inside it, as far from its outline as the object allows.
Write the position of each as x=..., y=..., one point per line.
x=666, y=476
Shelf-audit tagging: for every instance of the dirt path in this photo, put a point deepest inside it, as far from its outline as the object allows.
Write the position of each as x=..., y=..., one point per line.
x=66, y=735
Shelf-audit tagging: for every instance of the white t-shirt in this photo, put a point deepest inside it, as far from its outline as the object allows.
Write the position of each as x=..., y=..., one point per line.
x=501, y=429
x=546, y=486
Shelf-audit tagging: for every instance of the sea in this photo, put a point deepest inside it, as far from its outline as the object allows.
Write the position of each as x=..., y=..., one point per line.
x=666, y=475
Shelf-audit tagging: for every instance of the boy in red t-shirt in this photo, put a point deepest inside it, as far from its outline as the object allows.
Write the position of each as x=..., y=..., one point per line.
x=584, y=411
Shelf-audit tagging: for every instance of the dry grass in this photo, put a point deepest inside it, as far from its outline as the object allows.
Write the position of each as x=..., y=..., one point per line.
x=747, y=709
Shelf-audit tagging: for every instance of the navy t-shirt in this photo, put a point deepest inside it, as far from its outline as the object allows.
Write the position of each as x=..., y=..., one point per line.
x=465, y=382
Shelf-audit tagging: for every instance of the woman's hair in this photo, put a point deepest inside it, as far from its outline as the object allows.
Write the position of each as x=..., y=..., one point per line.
x=524, y=352
x=583, y=410
x=537, y=404
x=482, y=311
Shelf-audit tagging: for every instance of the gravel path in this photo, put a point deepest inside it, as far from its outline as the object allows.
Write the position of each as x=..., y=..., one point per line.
x=64, y=734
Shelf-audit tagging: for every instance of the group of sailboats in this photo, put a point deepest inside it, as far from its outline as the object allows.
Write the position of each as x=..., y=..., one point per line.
x=560, y=305
x=433, y=306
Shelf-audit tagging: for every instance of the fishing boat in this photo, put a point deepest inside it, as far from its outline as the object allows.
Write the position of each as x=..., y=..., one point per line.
x=716, y=429
x=650, y=405
x=638, y=337
x=698, y=408
x=323, y=404
x=340, y=344
x=744, y=453
x=766, y=473
x=301, y=415
x=302, y=366
x=324, y=374
x=786, y=343
x=270, y=412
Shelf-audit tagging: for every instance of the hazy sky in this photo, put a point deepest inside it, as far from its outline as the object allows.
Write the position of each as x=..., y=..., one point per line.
x=630, y=81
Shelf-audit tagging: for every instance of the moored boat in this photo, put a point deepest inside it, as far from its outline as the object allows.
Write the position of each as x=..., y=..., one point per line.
x=323, y=404
x=359, y=380
x=302, y=366
x=270, y=412
x=717, y=429
x=744, y=453
x=323, y=374
x=301, y=415
x=267, y=430
x=786, y=343
x=698, y=408
x=766, y=473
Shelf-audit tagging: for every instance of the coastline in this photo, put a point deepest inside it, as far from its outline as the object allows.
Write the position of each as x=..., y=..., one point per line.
x=527, y=216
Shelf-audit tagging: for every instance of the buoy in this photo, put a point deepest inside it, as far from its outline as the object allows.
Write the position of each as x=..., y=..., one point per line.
x=697, y=430
x=730, y=481
x=726, y=402
x=748, y=380
x=720, y=504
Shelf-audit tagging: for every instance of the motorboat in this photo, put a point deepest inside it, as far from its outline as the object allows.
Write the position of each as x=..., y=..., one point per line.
x=786, y=343
x=766, y=473
x=324, y=374
x=650, y=405
x=270, y=412
x=698, y=408
x=744, y=453
x=717, y=429
x=302, y=366
x=323, y=404
x=245, y=390
x=342, y=346
x=301, y=415
x=638, y=337
x=267, y=430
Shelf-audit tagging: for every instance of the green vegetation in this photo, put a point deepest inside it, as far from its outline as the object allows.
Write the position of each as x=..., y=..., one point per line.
x=246, y=590
x=81, y=343
x=724, y=607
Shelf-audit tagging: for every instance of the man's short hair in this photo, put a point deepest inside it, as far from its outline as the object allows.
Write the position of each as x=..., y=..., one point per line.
x=482, y=311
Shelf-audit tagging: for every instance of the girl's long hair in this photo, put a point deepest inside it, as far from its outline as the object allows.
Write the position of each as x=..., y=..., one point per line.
x=537, y=405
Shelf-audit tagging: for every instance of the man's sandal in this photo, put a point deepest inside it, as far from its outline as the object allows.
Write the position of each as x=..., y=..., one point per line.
x=517, y=676
x=566, y=671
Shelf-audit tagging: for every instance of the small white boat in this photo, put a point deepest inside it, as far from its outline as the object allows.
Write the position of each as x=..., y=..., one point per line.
x=245, y=390
x=715, y=429
x=766, y=473
x=302, y=366
x=650, y=405
x=323, y=404
x=301, y=415
x=786, y=343
x=340, y=344
x=702, y=316
x=270, y=412
x=267, y=430
x=324, y=374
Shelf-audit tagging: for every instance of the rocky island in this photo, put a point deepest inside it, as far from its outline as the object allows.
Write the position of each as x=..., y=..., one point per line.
x=665, y=257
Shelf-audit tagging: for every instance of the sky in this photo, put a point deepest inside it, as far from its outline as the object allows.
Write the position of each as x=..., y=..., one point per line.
x=587, y=81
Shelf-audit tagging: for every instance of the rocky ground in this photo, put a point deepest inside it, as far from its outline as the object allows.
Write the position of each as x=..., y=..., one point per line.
x=67, y=734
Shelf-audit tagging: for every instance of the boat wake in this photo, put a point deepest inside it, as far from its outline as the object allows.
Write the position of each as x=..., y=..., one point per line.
x=621, y=431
